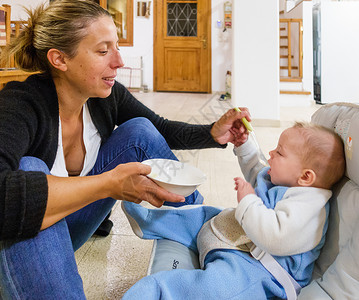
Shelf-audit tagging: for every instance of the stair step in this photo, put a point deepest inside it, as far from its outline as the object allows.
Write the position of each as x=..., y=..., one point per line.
x=284, y=47
x=283, y=37
x=286, y=56
x=291, y=79
x=295, y=92
x=282, y=28
x=286, y=67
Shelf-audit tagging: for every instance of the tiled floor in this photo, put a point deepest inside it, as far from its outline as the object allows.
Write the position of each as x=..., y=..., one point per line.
x=110, y=265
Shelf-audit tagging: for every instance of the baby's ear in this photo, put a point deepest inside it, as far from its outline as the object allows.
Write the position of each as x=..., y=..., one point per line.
x=307, y=178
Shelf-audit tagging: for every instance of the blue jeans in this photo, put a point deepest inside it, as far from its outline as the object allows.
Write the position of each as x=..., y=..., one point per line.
x=44, y=267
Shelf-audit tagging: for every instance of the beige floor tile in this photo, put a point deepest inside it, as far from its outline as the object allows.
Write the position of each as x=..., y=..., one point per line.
x=80, y=254
x=113, y=264
x=120, y=223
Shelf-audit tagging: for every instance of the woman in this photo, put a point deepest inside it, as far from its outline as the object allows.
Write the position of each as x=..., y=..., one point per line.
x=60, y=154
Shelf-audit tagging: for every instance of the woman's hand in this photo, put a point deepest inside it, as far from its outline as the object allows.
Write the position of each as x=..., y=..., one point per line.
x=229, y=128
x=129, y=182
x=125, y=182
x=243, y=188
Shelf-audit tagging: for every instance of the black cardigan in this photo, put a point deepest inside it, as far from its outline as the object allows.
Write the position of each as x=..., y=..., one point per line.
x=29, y=123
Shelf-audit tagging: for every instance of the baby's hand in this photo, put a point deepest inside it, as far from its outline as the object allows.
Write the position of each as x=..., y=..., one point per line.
x=240, y=133
x=243, y=188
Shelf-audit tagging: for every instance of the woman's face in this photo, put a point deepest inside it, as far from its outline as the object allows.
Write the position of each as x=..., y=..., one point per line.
x=92, y=71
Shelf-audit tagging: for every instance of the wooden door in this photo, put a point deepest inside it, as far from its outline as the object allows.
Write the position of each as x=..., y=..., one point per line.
x=182, y=45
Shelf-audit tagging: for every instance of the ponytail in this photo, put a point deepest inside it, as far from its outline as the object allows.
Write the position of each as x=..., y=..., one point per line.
x=22, y=47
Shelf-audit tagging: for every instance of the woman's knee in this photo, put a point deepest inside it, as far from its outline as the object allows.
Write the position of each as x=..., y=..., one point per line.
x=141, y=127
x=30, y=163
x=138, y=122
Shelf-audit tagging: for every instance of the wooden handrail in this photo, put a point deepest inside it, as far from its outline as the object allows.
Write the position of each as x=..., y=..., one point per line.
x=9, y=72
x=15, y=29
x=289, y=55
x=7, y=10
x=18, y=26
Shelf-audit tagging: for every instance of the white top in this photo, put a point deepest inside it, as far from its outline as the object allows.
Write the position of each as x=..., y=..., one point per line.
x=92, y=141
x=298, y=218
x=294, y=226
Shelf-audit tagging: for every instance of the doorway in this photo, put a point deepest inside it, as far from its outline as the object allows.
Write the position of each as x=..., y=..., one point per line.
x=182, y=45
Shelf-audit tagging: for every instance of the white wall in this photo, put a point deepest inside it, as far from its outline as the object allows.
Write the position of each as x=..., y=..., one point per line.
x=340, y=48
x=142, y=44
x=282, y=5
x=17, y=11
x=255, y=80
x=221, y=47
x=291, y=4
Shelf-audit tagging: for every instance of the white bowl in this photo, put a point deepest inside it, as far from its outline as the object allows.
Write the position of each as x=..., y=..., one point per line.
x=175, y=176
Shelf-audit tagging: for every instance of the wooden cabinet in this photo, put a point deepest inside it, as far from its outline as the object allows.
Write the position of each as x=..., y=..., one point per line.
x=11, y=75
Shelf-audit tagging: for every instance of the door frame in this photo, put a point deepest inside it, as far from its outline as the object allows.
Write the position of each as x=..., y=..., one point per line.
x=209, y=44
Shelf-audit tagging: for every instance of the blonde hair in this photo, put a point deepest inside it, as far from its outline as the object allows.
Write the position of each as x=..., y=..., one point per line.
x=61, y=25
x=323, y=152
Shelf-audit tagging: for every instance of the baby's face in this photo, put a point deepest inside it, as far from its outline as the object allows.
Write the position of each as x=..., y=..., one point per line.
x=285, y=163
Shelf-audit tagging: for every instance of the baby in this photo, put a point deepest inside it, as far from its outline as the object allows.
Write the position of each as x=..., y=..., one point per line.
x=284, y=215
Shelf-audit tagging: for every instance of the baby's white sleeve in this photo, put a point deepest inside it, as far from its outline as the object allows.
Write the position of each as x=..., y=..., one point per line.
x=248, y=161
x=294, y=226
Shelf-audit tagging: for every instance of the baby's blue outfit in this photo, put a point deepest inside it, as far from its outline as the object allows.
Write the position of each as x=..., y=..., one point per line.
x=228, y=274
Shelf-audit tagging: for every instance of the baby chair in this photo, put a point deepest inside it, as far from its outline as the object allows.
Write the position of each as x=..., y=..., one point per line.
x=336, y=271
